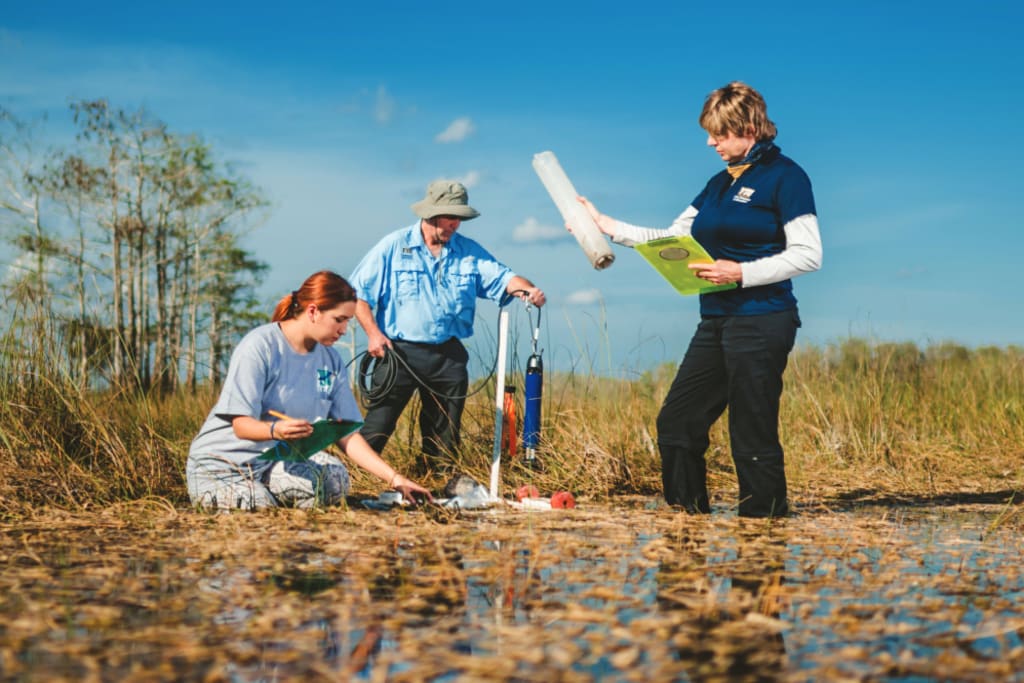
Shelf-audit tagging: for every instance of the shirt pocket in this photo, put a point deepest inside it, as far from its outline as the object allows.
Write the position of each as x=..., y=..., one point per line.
x=407, y=283
x=465, y=286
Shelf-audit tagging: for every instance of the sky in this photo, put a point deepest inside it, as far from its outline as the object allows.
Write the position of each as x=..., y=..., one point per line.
x=906, y=116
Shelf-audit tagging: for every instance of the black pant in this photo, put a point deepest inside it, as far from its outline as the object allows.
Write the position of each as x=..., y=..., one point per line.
x=737, y=362
x=443, y=382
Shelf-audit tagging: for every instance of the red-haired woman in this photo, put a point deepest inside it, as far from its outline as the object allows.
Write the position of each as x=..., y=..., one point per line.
x=287, y=366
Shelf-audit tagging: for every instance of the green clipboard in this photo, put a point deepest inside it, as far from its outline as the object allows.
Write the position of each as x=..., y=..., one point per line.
x=671, y=256
x=325, y=432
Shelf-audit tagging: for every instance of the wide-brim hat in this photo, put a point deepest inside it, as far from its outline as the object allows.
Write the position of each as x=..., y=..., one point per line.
x=445, y=198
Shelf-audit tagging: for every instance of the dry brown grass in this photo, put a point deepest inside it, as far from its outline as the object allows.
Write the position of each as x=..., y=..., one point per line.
x=858, y=420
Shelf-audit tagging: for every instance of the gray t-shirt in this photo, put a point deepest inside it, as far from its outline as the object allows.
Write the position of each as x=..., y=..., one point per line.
x=266, y=373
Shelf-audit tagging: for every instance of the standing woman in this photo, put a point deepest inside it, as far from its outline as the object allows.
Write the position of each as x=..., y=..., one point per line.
x=286, y=367
x=757, y=220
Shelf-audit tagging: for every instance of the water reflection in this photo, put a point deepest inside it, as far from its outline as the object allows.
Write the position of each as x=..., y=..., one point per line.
x=610, y=594
x=931, y=593
x=595, y=598
x=725, y=589
x=727, y=599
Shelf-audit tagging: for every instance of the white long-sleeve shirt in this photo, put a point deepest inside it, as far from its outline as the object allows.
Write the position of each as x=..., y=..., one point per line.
x=802, y=254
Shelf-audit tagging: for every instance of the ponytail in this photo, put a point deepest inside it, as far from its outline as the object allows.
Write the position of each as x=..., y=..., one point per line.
x=325, y=289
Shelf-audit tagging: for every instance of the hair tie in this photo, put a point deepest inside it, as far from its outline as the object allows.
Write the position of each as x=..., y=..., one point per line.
x=295, y=299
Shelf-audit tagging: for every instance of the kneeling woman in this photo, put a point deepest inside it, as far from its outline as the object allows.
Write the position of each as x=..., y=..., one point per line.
x=287, y=367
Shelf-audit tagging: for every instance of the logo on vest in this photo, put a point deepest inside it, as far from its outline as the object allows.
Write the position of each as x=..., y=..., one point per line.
x=743, y=195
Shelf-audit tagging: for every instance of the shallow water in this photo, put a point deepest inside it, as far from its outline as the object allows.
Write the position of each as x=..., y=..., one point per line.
x=629, y=591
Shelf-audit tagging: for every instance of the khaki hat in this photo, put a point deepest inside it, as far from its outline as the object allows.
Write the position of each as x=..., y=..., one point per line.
x=445, y=198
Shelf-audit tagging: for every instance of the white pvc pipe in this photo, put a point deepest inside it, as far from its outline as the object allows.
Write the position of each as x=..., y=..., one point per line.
x=561, y=189
x=499, y=400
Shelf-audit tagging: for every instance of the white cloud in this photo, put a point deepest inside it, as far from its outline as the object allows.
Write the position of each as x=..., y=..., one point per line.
x=470, y=180
x=384, y=107
x=584, y=297
x=457, y=131
x=532, y=231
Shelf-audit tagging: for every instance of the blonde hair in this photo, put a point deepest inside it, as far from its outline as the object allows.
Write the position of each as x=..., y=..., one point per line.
x=323, y=288
x=738, y=109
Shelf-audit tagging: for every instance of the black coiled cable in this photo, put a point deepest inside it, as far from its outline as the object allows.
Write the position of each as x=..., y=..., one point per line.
x=371, y=396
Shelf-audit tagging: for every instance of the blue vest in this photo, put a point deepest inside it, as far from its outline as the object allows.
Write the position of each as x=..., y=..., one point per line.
x=744, y=221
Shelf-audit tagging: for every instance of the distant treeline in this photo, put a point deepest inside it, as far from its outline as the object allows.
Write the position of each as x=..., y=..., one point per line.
x=125, y=267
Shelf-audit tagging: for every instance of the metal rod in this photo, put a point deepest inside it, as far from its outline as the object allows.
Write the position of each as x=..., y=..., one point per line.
x=499, y=399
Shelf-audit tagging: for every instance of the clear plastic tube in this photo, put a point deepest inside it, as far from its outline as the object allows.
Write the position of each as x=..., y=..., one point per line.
x=562, y=192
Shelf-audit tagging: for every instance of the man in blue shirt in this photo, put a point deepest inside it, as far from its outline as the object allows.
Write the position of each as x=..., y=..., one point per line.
x=417, y=291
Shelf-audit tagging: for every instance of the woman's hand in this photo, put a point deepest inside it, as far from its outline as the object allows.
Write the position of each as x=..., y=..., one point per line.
x=410, y=490
x=291, y=429
x=721, y=272
x=275, y=429
x=605, y=224
x=360, y=452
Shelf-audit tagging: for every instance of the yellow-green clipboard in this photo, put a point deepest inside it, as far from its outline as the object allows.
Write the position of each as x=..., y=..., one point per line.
x=325, y=432
x=671, y=256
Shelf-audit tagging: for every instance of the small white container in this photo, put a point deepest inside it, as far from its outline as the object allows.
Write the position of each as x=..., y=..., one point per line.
x=391, y=497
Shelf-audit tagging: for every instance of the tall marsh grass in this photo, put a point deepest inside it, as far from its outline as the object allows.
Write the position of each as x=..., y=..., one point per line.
x=856, y=415
x=896, y=417
x=73, y=446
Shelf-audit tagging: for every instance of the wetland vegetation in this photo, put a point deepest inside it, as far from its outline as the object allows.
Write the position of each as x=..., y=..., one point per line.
x=902, y=560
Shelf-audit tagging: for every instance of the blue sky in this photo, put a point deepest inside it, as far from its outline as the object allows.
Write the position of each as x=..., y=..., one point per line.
x=906, y=117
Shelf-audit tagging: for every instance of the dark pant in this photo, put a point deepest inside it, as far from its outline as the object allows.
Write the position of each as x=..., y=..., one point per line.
x=442, y=383
x=736, y=362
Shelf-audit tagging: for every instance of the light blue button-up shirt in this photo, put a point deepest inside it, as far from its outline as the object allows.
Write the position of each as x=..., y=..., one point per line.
x=418, y=297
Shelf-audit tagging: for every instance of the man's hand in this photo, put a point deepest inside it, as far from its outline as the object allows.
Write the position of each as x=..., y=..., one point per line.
x=533, y=295
x=527, y=291
x=377, y=343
